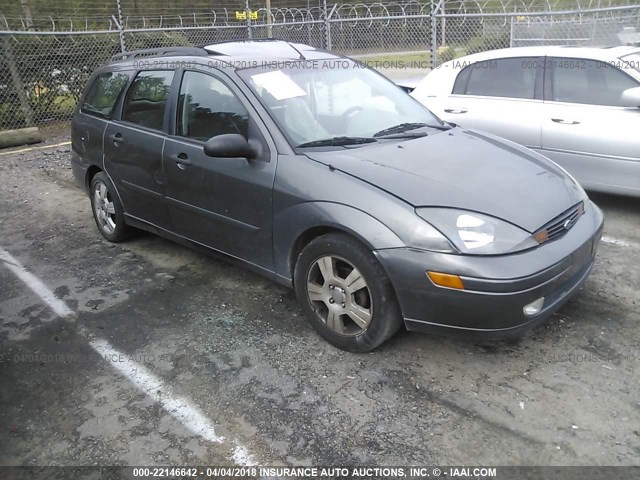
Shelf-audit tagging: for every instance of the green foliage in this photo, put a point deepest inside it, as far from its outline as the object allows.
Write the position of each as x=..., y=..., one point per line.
x=52, y=74
x=140, y=41
x=481, y=43
x=445, y=54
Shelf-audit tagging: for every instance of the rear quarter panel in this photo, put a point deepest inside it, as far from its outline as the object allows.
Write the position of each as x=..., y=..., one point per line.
x=87, y=134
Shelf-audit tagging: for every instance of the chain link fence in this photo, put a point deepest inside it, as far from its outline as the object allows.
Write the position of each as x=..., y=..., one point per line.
x=46, y=59
x=464, y=33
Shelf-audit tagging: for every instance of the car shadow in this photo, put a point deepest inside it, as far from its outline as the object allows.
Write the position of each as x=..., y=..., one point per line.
x=620, y=204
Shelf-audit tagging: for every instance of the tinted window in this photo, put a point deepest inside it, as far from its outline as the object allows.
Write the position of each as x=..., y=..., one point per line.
x=207, y=108
x=588, y=81
x=103, y=94
x=505, y=77
x=147, y=99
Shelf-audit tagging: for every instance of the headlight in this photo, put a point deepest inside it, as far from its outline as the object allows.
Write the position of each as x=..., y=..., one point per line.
x=428, y=238
x=475, y=233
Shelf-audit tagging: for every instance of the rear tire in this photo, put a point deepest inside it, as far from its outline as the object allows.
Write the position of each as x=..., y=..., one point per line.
x=345, y=293
x=107, y=209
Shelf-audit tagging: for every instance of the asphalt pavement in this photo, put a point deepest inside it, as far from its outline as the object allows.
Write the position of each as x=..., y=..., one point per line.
x=147, y=353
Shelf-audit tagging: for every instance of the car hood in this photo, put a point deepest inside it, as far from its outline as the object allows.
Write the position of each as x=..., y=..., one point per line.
x=463, y=169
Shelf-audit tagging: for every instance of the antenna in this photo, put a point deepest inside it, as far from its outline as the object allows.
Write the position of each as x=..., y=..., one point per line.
x=302, y=57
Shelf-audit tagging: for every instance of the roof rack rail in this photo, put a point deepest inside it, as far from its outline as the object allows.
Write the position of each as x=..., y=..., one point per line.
x=158, y=52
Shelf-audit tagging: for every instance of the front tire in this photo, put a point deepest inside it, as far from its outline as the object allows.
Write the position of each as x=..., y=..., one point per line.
x=107, y=209
x=345, y=293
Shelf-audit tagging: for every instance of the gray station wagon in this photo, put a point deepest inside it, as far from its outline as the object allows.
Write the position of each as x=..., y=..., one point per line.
x=324, y=176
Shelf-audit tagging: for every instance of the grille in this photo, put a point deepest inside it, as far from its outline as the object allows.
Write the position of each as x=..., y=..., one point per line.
x=560, y=225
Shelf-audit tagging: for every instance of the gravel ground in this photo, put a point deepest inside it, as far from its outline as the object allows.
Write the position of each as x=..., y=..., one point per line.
x=236, y=349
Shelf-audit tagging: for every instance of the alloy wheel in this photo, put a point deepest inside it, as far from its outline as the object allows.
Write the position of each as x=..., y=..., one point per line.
x=103, y=208
x=339, y=295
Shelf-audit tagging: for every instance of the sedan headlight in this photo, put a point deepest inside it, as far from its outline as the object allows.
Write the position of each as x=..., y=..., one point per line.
x=476, y=233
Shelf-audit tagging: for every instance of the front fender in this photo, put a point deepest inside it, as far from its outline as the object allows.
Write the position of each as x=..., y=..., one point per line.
x=293, y=222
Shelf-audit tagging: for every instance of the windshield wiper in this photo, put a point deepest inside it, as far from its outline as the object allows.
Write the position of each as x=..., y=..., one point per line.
x=405, y=127
x=337, y=142
x=444, y=126
x=400, y=128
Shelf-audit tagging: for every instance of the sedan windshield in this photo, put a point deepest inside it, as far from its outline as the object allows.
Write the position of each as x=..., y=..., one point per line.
x=334, y=103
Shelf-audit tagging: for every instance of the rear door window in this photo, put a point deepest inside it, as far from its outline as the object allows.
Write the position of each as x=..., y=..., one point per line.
x=504, y=77
x=575, y=80
x=146, y=100
x=103, y=94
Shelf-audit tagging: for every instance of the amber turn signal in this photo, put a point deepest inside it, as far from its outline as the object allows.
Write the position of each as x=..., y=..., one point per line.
x=542, y=236
x=446, y=280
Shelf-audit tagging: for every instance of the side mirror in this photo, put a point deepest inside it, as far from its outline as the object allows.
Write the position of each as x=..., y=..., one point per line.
x=631, y=97
x=229, y=145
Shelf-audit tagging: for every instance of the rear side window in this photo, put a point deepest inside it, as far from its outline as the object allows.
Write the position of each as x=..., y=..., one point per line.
x=146, y=100
x=588, y=81
x=504, y=77
x=103, y=94
x=207, y=107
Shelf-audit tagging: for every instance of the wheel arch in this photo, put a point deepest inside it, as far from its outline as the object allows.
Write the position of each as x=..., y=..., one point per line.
x=313, y=219
x=305, y=238
x=91, y=172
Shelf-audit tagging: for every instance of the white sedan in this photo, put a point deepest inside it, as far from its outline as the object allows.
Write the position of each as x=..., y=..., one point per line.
x=577, y=106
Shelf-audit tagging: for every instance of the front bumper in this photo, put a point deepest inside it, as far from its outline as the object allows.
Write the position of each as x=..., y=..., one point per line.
x=496, y=287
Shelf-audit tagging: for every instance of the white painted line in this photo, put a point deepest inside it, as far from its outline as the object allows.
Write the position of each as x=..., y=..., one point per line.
x=34, y=283
x=617, y=241
x=242, y=457
x=180, y=408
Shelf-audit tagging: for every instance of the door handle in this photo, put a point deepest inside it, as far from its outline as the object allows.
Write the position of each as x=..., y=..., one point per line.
x=182, y=159
x=565, y=122
x=456, y=110
x=116, y=138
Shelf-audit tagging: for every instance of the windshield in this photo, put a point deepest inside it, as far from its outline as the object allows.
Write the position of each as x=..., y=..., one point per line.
x=321, y=100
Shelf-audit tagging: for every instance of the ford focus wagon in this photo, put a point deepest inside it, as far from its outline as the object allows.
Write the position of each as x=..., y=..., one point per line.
x=324, y=176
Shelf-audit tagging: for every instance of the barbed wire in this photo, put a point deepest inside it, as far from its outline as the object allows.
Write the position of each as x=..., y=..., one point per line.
x=293, y=12
x=45, y=63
